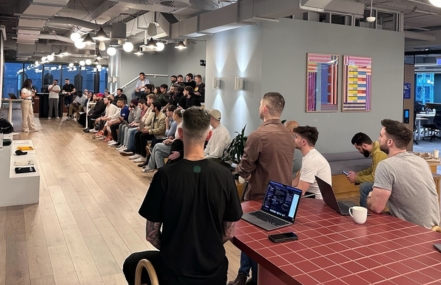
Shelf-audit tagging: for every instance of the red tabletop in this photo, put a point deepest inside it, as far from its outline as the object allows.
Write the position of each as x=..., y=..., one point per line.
x=333, y=249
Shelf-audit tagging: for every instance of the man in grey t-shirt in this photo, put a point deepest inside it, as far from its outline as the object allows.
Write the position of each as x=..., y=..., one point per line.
x=403, y=181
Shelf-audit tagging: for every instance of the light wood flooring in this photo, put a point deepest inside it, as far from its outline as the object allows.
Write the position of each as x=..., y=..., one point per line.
x=87, y=220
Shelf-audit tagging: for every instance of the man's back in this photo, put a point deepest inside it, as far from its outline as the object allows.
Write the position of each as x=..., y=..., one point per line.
x=199, y=196
x=268, y=156
x=413, y=197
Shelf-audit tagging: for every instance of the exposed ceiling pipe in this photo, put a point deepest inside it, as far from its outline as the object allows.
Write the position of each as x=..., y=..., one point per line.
x=74, y=22
x=55, y=37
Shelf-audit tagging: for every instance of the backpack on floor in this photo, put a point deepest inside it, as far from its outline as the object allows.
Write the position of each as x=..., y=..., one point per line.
x=5, y=126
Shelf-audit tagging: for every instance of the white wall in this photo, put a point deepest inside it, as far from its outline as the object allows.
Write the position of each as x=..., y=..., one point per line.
x=187, y=60
x=272, y=57
x=235, y=53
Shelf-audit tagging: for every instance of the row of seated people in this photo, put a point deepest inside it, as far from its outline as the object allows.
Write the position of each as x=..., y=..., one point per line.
x=144, y=88
x=146, y=131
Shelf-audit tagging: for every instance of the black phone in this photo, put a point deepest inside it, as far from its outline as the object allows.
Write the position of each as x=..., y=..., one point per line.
x=345, y=173
x=283, y=237
x=24, y=169
x=437, y=246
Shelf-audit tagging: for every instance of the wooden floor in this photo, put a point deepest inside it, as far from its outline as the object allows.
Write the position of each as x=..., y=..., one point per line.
x=87, y=220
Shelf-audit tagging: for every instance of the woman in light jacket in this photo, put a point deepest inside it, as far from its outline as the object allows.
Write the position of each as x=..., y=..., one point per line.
x=27, y=93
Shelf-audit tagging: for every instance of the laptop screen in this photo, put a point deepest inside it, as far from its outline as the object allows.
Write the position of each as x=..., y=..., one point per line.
x=281, y=200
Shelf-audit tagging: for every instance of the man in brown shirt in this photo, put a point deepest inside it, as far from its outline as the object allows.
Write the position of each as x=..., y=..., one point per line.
x=269, y=150
x=268, y=155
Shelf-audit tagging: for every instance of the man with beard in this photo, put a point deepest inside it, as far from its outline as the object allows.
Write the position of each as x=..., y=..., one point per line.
x=403, y=182
x=365, y=178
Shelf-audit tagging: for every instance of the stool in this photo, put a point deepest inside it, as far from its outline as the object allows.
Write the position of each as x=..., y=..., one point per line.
x=144, y=263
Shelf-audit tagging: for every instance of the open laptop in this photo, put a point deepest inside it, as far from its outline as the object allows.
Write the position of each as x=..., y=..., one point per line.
x=341, y=207
x=279, y=207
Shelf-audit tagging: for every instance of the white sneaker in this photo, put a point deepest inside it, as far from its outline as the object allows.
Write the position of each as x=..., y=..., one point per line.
x=49, y=118
x=147, y=169
x=93, y=131
x=135, y=156
x=111, y=141
x=140, y=159
x=123, y=147
x=113, y=144
x=58, y=118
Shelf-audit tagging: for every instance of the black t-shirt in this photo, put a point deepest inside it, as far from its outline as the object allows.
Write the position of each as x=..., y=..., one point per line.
x=190, y=83
x=181, y=100
x=192, y=101
x=201, y=89
x=68, y=87
x=192, y=199
x=117, y=98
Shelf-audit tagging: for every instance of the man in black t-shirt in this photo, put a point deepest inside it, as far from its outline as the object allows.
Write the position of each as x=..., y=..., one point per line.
x=196, y=202
x=199, y=90
x=68, y=91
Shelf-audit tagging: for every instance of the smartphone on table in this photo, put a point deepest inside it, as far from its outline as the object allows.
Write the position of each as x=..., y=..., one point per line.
x=276, y=238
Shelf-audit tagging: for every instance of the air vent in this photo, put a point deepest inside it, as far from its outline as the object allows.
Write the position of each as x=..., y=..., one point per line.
x=176, y=3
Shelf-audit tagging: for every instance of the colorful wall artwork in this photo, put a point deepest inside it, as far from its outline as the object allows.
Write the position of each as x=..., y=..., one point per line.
x=321, y=83
x=357, y=85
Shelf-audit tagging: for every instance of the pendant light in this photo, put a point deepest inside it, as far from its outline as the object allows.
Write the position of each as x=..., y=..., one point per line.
x=181, y=45
x=88, y=40
x=151, y=43
x=436, y=3
x=101, y=36
x=138, y=52
x=98, y=56
x=371, y=19
x=102, y=46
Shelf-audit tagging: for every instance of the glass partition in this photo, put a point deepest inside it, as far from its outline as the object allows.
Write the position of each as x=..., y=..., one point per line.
x=88, y=77
x=12, y=79
x=103, y=78
x=35, y=73
x=51, y=72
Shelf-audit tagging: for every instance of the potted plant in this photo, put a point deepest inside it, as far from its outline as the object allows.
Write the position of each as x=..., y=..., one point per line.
x=234, y=151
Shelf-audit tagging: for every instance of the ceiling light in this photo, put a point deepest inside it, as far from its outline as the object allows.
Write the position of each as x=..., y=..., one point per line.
x=436, y=3
x=88, y=62
x=82, y=63
x=102, y=46
x=98, y=66
x=371, y=19
x=75, y=36
x=101, y=36
x=71, y=64
x=96, y=61
x=151, y=43
x=139, y=51
x=83, y=68
x=50, y=57
x=98, y=56
x=37, y=63
x=180, y=45
x=160, y=46
x=88, y=40
x=43, y=59
x=80, y=45
x=151, y=30
x=128, y=47
x=111, y=51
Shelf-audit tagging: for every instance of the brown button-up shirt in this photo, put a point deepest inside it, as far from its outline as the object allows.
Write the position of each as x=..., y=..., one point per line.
x=267, y=156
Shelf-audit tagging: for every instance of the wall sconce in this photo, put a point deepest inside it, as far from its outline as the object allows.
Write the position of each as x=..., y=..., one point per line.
x=109, y=79
x=114, y=79
x=238, y=83
x=216, y=83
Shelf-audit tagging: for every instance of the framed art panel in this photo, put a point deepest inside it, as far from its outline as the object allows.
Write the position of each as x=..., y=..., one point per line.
x=321, y=82
x=357, y=81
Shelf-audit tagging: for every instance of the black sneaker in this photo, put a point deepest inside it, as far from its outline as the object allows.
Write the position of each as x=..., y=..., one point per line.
x=86, y=131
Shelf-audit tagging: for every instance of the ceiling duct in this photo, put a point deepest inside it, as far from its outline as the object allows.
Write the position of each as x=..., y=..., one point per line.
x=180, y=4
x=119, y=30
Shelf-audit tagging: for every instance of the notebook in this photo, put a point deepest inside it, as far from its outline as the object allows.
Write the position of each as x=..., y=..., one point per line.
x=341, y=207
x=279, y=207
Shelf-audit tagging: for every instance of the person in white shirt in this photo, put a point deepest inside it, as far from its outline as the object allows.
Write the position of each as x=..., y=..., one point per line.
x=112, y=113
x=313, y=163
x=54, y=91
x=220, y=137
x=140, y=86
x=78, y=104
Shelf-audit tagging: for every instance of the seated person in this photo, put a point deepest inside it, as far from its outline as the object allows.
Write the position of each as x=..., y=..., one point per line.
x=199, y=90
x=219, y=140
x=403, y=182
x=92, y=99
x=163, y=97
x=153, y=129
x=98, y=110
x=114, y=124
x=162, y=150
x=111, y=113
x=297, y=159
x=181, y=200
x=313, y=162
x=365, y=178
x=134, y=117
x=191, y=99
x=140, y=86
x=119, y=94
x=77, y=104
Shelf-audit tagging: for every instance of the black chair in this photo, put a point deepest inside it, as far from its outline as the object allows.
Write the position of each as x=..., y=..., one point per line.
x=434, y=128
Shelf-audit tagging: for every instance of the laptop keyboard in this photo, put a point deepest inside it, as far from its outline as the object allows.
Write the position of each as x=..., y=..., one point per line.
x=269, y=219
x=344, y=206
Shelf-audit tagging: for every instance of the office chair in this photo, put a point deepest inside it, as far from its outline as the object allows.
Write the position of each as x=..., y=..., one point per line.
x=435, y=127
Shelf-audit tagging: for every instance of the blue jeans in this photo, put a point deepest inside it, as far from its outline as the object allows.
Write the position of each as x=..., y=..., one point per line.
x=131, y=141
x=246, y=263
x=365, y=189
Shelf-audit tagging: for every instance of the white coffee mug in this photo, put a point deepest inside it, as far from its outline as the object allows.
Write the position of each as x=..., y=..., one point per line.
x=436, y=153
x=359, y=214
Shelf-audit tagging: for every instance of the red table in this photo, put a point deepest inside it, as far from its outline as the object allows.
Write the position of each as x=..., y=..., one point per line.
x=333, y=249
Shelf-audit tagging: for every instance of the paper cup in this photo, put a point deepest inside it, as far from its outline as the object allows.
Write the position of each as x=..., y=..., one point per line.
x=436, y=153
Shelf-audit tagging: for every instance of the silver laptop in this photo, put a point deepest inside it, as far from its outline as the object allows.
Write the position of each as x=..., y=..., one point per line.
x=279, y=207
x=341, y=207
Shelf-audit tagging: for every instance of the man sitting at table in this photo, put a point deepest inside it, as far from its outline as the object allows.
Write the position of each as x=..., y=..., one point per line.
x=403, y=182
x=313, y=162
x=365, y=178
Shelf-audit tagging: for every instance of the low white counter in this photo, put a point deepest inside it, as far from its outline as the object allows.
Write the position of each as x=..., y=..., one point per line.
x=18, y=189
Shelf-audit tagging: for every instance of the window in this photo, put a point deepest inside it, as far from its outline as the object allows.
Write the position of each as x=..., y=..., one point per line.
x=424, y=87
x=103, y=78
x=12, y=78
x=30, y=71
x=51, y=72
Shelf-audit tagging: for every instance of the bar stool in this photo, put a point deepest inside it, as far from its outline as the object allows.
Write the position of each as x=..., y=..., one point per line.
x=144, y=263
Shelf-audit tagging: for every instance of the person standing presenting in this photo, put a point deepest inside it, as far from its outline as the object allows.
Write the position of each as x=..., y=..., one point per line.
x=68, y=91
x=54, y=91
x=27, y=93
